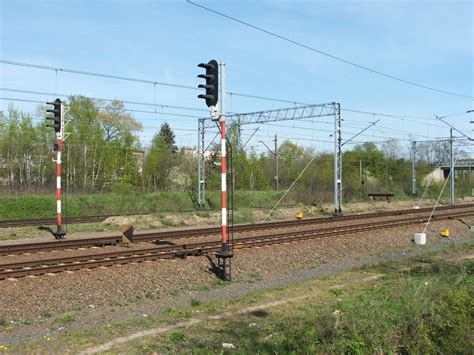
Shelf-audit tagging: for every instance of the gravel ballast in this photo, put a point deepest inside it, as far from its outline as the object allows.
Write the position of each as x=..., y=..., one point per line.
x=122, y=292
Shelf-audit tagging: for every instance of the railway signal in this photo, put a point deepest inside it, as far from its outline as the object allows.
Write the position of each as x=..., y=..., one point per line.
x=57, y=114
x=212, y=98
x=58, y=125
x=212, y=83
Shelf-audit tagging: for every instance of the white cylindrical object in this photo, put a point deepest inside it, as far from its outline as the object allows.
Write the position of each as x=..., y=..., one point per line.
x=420, y=238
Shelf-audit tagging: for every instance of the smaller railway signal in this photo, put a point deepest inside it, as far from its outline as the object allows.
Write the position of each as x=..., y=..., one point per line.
x=212, y=83
x=58, y=125
x=57, y=114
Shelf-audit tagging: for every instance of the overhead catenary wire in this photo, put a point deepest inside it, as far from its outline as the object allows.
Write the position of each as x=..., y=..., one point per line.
x=300, y=137
x=340, y=59
x=385, y=130
x=102, y=107
x=409, y=118
x=191, y=116
x=100, y=75
x=401, y=117
x=155, y=104
x=231, y=93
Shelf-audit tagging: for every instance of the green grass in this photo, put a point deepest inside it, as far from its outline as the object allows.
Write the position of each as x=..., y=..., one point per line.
x=26, y=321
x=46, y=314
x=179, y=313
x=219, y=283
x=429, y=309
x=195, y=303
x=43, y=206
x=177, y=336
x=66, y=318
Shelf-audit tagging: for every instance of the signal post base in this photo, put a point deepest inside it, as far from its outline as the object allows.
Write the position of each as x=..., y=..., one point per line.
x=224, y=257
x=59, y=235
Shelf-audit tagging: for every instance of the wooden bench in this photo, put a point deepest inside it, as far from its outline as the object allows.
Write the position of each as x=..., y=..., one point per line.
x=387, y=195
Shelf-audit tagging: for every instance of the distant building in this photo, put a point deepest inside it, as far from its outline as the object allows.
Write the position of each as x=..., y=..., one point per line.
x=193, y=152
x=436, y=175
x=3, y=173
x=139, y=158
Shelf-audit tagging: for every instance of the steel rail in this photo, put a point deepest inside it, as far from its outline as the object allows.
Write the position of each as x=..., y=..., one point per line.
x=38, y=267
x=50, y=221
x=90, y=219
x=13, y=249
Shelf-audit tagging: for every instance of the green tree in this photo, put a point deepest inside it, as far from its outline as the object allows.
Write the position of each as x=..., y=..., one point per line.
x=117, y=122
x=161, y=158
x=168, y=136
x=100, y=146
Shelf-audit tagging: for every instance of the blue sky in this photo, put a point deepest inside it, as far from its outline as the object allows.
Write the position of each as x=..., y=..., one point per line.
x=428, y=42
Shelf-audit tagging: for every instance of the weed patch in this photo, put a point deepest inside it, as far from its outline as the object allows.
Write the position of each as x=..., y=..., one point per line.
x=195, y=303
x=177, y=336
x=46, y=314
x=66, y=318
x=26, y=321
x=219, y=283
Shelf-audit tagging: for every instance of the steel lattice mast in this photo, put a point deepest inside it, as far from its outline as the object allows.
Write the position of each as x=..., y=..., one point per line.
x=284, y=114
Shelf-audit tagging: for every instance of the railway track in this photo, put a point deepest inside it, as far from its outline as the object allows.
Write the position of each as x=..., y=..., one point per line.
x=195, y=232
x=54, y=265
x=37, y=222
x=50, y=221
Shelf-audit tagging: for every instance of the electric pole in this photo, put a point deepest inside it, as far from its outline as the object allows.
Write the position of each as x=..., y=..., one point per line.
x=337, y=161
x=276, y=163
x=451, y=128
x=413, y=168
x=201, y=164
x=275, y=154
x=452, y=167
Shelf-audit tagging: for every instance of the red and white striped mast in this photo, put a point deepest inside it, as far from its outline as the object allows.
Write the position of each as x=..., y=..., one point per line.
x=212, y=87
x=225, y=253
x=58, y=125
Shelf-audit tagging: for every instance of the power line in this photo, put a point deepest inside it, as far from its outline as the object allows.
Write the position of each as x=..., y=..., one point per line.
x=327, y=54
x=267, y=124
x=110, y=76
x=250, y=96
x=105, y=99
x=100, y=75
x=39, y=119
x=230, y=93
x=100, y=107
x=387, y=114
x=402, y=117
x=34, y=117
x=396, y=116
